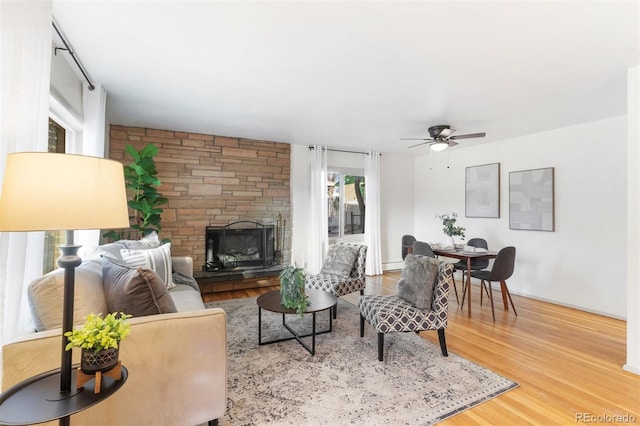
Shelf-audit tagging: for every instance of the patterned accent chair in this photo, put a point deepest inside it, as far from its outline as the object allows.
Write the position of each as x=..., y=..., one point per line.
x=343, y=271
x=390, y=314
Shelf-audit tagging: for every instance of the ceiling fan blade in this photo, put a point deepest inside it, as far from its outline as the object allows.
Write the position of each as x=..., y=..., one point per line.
x=416, y=139
x=452, y=143
x=470, y=135
x=445, y=133
x=423, y=143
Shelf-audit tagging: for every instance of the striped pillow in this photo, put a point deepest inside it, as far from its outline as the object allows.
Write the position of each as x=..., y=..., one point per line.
x=156, y=259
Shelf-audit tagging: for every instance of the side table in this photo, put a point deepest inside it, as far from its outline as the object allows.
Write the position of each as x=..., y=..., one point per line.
x=38, y=399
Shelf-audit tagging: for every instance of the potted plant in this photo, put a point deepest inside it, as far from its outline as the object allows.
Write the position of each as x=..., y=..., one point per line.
x=99, y=338
x=146, y=202
x=292, y=293
x=450, y=228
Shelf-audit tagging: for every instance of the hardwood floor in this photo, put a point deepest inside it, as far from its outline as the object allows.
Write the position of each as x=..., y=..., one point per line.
x=568, y=362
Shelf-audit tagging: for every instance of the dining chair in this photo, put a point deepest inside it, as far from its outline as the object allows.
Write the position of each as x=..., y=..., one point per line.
x=501, y=270
x=476, y=265
x=407, y=242
x=425, y=249
x=422, y=248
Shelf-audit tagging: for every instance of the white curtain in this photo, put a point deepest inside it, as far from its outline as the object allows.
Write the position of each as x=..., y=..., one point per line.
x=318, y=232
x=24, y=92
x=372, y=218
x=94, y=105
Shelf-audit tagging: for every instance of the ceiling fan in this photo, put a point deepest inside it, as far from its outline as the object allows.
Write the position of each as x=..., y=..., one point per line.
x=441, y=137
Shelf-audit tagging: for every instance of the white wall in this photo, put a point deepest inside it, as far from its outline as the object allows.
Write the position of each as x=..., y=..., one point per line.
x=576, y=265
x=398, y=206
x=396, y=200
x=633, y=245
x=66, y=87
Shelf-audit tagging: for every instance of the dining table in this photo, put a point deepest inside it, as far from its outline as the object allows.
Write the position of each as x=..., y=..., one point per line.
x=468, y=256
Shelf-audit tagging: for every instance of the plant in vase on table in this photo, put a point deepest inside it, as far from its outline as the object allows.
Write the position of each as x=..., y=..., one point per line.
x=449, y=227
x=292, y=293
x=99, y=338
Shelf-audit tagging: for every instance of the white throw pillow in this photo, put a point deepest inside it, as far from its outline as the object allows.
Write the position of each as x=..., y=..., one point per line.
x=156, y=259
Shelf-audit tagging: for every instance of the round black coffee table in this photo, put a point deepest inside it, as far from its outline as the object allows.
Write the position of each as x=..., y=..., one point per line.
x=318, y=301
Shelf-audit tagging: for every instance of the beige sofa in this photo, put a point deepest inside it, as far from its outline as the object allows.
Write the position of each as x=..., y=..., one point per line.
x=177, y=364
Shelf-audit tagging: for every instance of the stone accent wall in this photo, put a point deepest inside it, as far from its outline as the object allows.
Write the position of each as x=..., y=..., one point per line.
x=212, y=180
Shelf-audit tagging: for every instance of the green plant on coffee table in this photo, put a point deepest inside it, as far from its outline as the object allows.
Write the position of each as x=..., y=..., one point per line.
x=292, y=293
x=449, y=228
x=141, y=180
x=99, y=333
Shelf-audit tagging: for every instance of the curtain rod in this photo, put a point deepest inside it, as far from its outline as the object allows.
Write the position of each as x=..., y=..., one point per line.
x=342, y=150
x=73, y=56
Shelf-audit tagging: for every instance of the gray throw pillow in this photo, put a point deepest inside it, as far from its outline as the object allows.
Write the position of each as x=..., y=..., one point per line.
x=340, y=259
x=134, y=290
x=418, y=280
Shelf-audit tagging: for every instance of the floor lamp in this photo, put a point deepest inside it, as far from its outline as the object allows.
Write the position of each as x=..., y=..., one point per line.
x=45, y=191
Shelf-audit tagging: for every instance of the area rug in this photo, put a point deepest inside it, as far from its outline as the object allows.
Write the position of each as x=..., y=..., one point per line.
x=344, y=383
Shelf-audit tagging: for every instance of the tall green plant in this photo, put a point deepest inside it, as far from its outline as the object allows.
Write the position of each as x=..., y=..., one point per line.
x=142, y=183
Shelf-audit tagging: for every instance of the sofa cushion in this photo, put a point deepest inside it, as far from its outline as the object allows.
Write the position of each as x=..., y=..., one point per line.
x=45, y=296
x=339, y=260
x=134, y=290
x=417, y=280
x=186, y=298
x=156, y=259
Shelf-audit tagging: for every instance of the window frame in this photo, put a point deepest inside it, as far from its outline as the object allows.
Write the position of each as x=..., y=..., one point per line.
x=345, y=171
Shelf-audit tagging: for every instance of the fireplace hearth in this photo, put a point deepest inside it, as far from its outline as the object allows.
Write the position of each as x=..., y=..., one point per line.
x=239, y=246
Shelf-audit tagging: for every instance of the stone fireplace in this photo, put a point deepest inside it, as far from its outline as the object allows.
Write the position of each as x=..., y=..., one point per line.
x=240, y=246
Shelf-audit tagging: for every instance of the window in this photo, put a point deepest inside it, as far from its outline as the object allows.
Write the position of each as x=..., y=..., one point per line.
x=53, y=239
x=346, y=203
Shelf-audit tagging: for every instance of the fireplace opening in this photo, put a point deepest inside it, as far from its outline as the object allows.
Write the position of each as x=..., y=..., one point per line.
x=239, y=246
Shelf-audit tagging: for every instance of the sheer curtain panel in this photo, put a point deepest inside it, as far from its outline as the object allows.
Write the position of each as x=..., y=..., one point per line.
x=318, y=217
x=372, y=219
x=24, y=92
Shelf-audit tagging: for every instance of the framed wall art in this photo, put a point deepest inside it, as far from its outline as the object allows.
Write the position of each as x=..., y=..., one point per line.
x=531, y=200
x=482, y=191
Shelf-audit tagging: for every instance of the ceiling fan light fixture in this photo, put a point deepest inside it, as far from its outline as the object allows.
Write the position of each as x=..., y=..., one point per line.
x=439, y=146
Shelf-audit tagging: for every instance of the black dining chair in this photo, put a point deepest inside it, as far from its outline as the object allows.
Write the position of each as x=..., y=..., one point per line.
x=476, y=264
x=425, y=249
x=407, y=242
x=500, y=272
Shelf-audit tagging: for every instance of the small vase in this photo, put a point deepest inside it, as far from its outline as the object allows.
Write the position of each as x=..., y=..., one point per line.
x=452, y=243
x=91, y=362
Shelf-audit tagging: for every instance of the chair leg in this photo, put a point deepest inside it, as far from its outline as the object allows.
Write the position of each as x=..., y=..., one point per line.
x=464, y=291
x=380, y=346
x=455, y=289
x=443, y=342
x=504, y=284
x=361, y=325
x=335, y=311
x=493, y=313
x=481, y=287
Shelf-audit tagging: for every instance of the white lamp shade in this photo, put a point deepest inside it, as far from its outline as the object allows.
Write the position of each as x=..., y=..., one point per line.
x=439, y=146
x=45, y=191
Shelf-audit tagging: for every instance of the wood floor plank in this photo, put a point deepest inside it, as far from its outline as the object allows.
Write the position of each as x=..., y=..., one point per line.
x=567, y=362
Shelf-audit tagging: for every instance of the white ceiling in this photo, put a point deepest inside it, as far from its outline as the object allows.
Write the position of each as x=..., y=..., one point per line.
x=356, y=75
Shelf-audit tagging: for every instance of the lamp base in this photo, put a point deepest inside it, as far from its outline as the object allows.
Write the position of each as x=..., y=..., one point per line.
x=69, y=261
